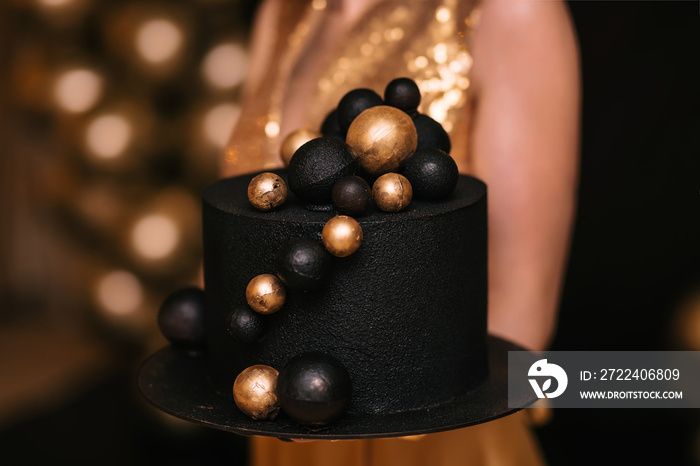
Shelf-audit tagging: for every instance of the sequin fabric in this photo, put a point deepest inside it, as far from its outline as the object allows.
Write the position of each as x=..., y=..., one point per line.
x=428, y=41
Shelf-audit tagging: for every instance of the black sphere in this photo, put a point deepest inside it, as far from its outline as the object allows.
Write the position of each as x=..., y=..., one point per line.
x=431, y=134
x=330, y=127
x=353, y=103
x=351, y=195
x=181, y=319
x=403, y=93
x=433, y=174
x=303, y=264
x=314, y=389
x=316, y=166
x=245, y=325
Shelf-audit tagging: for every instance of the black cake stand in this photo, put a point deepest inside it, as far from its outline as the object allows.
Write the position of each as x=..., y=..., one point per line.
x=177, y=383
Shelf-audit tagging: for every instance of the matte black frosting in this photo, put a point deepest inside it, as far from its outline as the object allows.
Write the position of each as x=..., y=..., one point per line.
x=405, y=314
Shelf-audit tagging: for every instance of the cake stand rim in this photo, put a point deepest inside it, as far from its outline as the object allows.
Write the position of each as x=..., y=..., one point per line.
x=160, y=381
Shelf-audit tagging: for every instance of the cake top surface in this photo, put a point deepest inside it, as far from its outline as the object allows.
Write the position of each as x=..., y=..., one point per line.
x=229, y=195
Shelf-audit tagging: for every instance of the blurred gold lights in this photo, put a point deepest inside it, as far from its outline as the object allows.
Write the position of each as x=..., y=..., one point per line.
x=159, y=40
x=687, y=322
x=61, y=12
x=155, y=236
x=77, y=90
x=218, y=121
x=59, y=8
x=225, y=66
x=108, y=136
x=443, y=14
x=272, y=129
x=119, y=293
x=162, y=234
x=54, y=3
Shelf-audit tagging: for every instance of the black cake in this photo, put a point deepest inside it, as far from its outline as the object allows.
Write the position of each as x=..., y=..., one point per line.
x=405, y=314
x=371, y=323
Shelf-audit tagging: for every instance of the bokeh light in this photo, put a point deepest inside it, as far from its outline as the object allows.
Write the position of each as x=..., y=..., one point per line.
x=443, y=14
x=159, y=40
x=687, y=322
x=77, y=90
x=119, y=293
x=218, y=121
x=272, y=129
x=155, y=236
x=225, y=66
x=108, y=136
x=54, y=3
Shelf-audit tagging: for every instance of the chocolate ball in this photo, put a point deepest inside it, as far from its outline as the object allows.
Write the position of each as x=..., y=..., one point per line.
x=316, y=166
x=294, y=141
x=255, y=392
x=314, y=389
x=392, y=192
x=351, y=195
x=403, y=93
x=265, y=294
x=181, y=319
x=382, y=137
x=342, y=235
x=245, y=325
x=330, y=127
x=433, y=174
x=431, y=134
x=267, y=191
x=302, y=264
x=353, y=103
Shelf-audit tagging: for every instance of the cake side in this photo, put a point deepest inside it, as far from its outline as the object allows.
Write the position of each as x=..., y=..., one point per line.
x=405, y=314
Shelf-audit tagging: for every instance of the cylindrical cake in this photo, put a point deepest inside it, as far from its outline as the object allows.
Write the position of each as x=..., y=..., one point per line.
x=405, y=314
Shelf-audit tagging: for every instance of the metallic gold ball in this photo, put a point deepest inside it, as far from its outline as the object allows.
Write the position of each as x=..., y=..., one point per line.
x=265, y=294
x=295, y=140
x=342, y=235
x=267, y=191
x=255, y=392
x=392, y=192
x=382, y=137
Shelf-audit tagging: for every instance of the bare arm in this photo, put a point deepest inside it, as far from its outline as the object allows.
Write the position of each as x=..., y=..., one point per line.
x=261, y=44
x=525, y=146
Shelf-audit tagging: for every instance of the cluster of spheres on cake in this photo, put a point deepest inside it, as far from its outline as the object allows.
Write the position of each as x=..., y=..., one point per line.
x=366, y=141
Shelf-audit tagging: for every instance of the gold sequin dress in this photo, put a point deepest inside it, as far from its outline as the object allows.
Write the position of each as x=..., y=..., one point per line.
x=423, y=39
x=428, y=41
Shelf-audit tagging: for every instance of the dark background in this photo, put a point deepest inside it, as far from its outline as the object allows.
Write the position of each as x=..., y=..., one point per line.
x=634, y=270
x=632, y=283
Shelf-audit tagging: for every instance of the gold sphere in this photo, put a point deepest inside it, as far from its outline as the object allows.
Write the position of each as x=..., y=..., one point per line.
x=392, y=192
x=265, y=294
x=267, y=191
x=342, y=235
x=255, y=392
x=382, y=137
x=294, y=141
